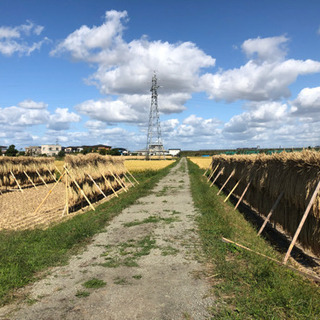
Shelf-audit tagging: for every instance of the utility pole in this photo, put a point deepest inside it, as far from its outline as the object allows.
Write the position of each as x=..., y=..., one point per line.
x=154, y=142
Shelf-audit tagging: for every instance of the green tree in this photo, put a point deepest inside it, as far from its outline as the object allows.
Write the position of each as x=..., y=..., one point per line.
x=12, y=151
x=103, y=152
x=61, y=154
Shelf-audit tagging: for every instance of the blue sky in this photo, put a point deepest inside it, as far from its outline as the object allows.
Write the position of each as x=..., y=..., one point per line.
x=232, y=73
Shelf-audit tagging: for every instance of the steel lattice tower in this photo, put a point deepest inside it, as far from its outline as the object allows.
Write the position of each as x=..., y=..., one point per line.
x=154, y=142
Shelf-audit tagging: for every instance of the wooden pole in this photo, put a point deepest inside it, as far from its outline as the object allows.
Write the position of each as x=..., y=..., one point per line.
x=16, y=181
x=109, y=183
x=231, y=192
x=122, y=182
x=45, y=198
x=67, y=195
x=274, y=260
x=41, y=178
x=118, y=181
x=212, y=173
x=81, y=191
x=271, y=212
x=133, y=177
x=210, y=166
x=30, y=180
x=217, y=176
x=128, y=179
x=231, y=174
x=52, y=174
x=96, y=185
x=243, y=193
x=304, y=217
x=57, y=169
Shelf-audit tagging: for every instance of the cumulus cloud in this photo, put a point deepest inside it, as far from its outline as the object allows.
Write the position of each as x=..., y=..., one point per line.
x=307, y=104
x=12, y=39
x=124, y=70
x=30, y=104
x=266, y=77
x=62, y=118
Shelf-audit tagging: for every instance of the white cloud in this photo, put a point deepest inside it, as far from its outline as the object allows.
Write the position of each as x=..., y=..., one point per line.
x=124, y=69
x=266, y=49
x=108, y=111
x=62, y=118
x=12, y=39
x=307, y=104
x=30, y=104
x=265, y=78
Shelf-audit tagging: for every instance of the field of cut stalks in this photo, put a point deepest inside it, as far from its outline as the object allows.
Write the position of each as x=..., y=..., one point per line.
x=202, y=162
x=142, y=165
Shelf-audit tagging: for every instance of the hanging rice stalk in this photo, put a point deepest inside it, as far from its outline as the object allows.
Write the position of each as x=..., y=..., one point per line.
x=296, y=174
x=90, y=171
x=26, y=170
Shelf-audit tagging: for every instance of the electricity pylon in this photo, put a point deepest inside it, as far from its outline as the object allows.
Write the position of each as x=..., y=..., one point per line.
x=154, y=142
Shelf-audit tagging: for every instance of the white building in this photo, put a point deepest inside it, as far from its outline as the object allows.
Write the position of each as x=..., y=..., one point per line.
x=50, y=149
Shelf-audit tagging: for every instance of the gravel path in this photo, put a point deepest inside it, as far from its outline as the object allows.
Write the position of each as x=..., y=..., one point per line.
x=147, y=264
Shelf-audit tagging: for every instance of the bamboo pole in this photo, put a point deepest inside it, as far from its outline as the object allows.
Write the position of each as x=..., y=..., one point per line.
x=118, y=181
x=81, y=191
x=45, y=198
x=231, y=192
x=212, y=173
x=271, y=212
x=16, y=181
x=128, y=179
x=304, y=217
x=52, y=174
x=122, y=182
x=274, y=260
x=231, y=174
x=30, y=180
x=217, y=176
x=57, y=169
x=41, y=178
x=243, y=193
x=210, y=166
x=108, y=182
x=67, y=195
x=133, y=177
x=96, y=185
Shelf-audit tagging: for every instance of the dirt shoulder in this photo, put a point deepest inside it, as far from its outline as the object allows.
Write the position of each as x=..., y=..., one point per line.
x=147, y=264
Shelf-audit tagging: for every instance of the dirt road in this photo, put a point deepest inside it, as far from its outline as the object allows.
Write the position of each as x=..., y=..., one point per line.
x=145, y=265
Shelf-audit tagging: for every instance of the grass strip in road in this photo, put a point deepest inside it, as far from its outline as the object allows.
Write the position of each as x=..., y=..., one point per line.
x=247, y=286
x=25, y=253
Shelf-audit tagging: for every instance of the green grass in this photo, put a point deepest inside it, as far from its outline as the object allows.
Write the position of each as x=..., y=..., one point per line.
x=151, y=219
x=82, y=294
x=247, y=286
x=94, y=284
x=25, y=253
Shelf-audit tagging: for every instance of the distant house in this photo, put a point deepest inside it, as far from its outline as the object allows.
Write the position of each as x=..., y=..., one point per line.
x=99, y=147
x=174, y=152
x=33, y=151
x=73, y=149
x=50, y=149
x=3, y=149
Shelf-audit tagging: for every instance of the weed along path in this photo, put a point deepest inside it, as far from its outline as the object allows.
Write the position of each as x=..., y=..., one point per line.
x=147, y=264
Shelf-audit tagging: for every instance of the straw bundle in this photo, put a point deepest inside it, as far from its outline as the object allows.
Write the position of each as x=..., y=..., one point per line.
x=29, y=165
x=99, y=168
x=297, y=174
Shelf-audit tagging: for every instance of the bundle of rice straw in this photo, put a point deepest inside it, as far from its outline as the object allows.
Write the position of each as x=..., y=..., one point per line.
x=32, y=166
x=296, y=173
x=99, y=168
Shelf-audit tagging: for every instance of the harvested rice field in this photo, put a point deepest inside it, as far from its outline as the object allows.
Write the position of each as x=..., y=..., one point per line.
x=202, y=162
x=17, y=208
x=142, y=165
